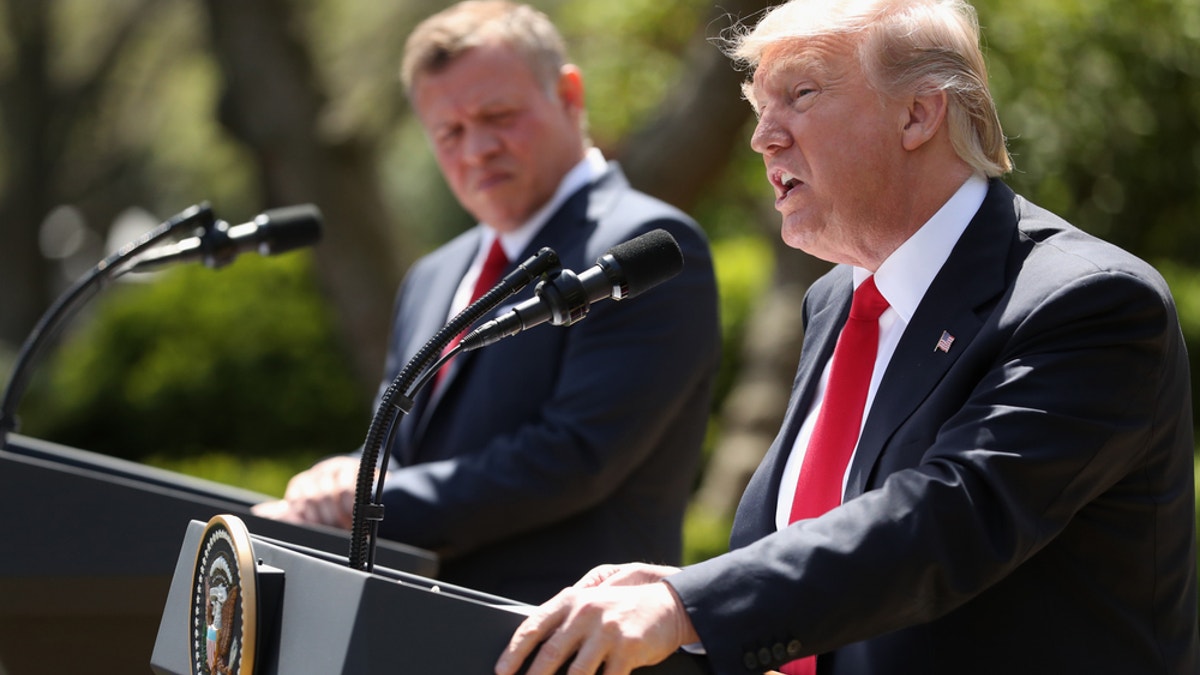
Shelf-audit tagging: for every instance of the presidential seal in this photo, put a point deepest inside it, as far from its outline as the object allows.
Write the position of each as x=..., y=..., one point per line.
x=224, y=613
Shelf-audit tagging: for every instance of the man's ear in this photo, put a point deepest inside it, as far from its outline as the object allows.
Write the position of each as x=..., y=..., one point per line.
x=926, y=114
x=570, y=87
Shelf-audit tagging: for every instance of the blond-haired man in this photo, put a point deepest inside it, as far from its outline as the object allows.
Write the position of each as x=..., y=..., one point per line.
x=1005, y=484
x=536, y=458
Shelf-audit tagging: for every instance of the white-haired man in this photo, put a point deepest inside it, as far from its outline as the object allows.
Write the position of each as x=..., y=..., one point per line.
x=986, y=464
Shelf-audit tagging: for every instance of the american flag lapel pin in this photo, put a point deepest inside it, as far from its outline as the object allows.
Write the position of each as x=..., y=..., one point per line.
x=944, y=342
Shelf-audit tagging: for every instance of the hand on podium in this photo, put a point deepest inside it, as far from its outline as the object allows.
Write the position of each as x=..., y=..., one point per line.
x=322, y=495
x=619, y=617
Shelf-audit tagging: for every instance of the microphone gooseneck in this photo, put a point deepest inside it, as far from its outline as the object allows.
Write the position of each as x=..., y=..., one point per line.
x=397, y=400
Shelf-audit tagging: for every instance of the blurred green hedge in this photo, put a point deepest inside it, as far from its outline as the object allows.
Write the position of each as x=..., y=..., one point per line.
x=244, y=360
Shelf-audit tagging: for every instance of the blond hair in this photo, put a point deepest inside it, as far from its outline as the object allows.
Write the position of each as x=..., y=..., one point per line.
x=905, y=47
x=440, y=39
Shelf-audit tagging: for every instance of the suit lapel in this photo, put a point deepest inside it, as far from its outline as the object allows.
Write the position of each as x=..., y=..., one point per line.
x=461, y=360
x=972, y=276
x=559, y=233
x=434, y=312
x=756, y=511
x=820, y=338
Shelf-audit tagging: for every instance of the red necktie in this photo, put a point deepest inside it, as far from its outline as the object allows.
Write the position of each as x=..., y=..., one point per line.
x=836, y=432
x=489, y=276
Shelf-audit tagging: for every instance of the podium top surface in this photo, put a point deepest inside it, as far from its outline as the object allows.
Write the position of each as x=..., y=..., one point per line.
x=91, y=515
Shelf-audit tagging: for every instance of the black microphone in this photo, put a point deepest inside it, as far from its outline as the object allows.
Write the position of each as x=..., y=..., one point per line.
x=271, y=232
x=627, y=269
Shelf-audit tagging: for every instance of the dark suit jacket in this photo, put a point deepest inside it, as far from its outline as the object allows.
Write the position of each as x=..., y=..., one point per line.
x=1022, y=503
x=563, y=447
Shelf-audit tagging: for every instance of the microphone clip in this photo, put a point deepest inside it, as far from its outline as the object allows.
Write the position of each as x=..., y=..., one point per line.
x=565, y=296
x=216, y=247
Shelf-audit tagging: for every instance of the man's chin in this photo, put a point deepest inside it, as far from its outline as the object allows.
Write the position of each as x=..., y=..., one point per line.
x=504, y=220
x=797, y=233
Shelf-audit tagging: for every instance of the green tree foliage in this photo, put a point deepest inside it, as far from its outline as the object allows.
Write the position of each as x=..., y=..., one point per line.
x=629, y=65
x=1100, y=102
x=1098, y=98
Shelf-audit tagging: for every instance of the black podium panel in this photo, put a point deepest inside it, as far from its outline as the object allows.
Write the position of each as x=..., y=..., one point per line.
x=88, y=547
x=324, y=618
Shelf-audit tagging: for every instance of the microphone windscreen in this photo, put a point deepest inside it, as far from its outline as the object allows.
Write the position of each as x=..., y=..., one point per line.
x=290, y=227
x=647, y=260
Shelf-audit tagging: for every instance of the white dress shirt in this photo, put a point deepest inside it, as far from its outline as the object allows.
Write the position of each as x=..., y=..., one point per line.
x=902, y=279
x=587, y=170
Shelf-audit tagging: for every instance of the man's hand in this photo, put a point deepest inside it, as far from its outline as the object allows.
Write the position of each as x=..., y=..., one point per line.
x=279, y=509
x=323, y=495
x=616, y=618
x=629, y=574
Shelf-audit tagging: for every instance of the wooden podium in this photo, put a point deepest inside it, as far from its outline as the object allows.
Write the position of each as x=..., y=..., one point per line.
x=315, y=615
x=88, y=548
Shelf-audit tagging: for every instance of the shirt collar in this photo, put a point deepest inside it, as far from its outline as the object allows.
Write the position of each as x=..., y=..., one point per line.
x=904, y=277
x=585, y=172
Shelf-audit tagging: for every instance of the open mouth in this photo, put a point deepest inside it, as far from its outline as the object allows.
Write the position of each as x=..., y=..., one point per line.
x=784, y=183
x=788, y=181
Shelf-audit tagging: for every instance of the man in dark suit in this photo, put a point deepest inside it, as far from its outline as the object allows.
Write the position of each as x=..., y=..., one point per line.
x=1020, y=498
x=530, y=461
